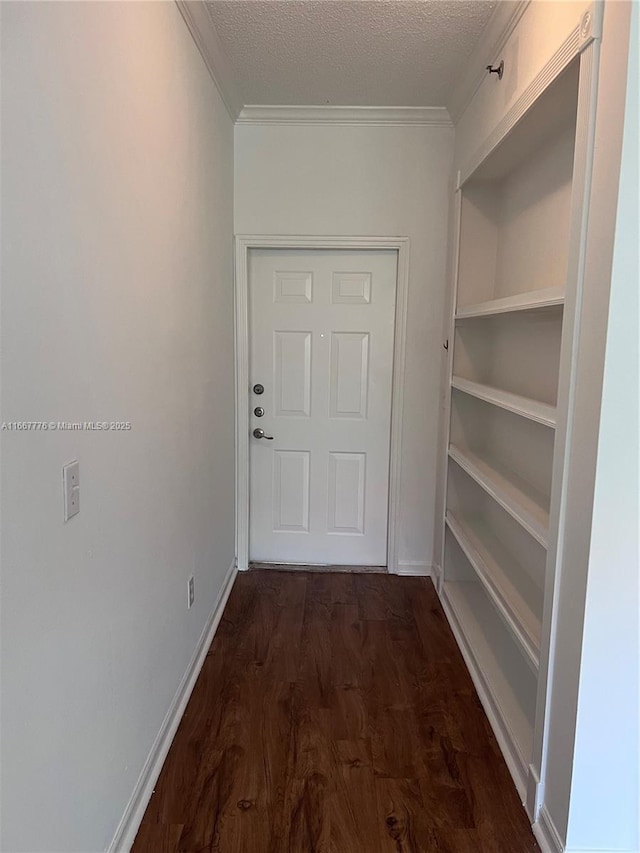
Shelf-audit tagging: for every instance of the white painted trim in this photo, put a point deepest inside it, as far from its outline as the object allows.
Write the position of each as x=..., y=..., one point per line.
x=345, y=115
x=571, y=357
x=436, y=574
x=397, y=403
x=241, y=328
x=198, y=20
x=489, y=46
x=414, y=568
x=447, y=377
x=130, y=823
x=318, y=567
x=244, y=243
x=546, y=833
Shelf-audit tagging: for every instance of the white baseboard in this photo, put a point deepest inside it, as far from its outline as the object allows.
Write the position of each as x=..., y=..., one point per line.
x=546, y=833
x=414, y=568
x=436, y=573
x=136, y=807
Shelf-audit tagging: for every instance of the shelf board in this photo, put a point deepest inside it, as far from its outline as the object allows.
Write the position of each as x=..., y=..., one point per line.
x=513, y=724
x=519, y=498
x=491, y=562
x=534, y=300
x=542, y=413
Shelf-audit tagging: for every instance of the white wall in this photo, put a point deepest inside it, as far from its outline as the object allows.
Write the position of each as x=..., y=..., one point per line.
x=117, y=199
x=604, y=809
x=383, y=181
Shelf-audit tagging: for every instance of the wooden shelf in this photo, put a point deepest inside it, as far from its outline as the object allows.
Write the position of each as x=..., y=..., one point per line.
x=542, y=413
x=507, y=694
x=535, y=300
x=494, y=566
x=519, y=498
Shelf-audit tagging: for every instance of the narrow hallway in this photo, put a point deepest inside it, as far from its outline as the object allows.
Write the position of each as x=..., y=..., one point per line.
x=312, y=287
x=334, y=712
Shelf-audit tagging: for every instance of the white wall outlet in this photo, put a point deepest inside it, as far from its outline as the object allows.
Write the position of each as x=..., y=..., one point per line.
x=191, y=592
x=71, y=489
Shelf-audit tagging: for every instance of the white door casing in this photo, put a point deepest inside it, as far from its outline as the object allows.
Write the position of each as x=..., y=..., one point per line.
x=243, y=245
x=321, y=342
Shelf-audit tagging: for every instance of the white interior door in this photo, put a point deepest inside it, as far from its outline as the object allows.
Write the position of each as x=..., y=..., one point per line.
x=321, y=344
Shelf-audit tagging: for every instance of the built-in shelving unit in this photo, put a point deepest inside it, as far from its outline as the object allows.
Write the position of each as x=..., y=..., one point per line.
x=509, y=313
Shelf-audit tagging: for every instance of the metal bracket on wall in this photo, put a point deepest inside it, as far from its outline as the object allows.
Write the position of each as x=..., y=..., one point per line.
x=499, y=69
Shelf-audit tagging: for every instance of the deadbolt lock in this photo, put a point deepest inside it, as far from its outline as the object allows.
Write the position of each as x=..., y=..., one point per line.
x=258, y=412
x=258, y=389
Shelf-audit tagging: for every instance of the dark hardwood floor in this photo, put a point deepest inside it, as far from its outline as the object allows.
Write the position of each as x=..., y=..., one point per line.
x=334, y=714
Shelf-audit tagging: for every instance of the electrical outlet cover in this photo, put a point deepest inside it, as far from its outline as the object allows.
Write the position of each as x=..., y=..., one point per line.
x=71, y=489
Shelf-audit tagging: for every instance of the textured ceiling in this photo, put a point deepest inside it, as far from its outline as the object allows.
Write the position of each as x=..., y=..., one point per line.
x=348, y=52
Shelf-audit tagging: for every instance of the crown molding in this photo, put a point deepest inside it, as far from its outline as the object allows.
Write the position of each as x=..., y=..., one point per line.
x=346, y=116
x=198, y=20
x=499, y=27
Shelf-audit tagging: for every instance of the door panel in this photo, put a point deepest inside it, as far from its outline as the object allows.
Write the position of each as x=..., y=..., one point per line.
x=292, y=374
x=346, y=492
x=321, y=344
x=291, y=490
x=349, y=375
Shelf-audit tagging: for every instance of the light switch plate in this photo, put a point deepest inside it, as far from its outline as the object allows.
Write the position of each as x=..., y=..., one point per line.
x=71, y=489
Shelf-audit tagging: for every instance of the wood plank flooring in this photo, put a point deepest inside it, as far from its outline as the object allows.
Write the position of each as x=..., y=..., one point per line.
x=334, y=714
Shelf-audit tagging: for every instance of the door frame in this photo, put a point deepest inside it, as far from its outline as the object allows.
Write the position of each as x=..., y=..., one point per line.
x=243, y=244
